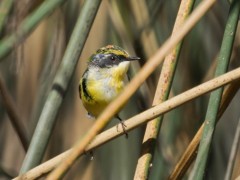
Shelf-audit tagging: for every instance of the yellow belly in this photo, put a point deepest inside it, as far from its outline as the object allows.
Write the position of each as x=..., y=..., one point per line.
x=94, y=109
x=103, y=88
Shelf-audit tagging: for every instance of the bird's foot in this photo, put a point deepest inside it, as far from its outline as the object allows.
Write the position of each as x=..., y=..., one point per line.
x=123, y=127
x=90, y=116
x=90, y=153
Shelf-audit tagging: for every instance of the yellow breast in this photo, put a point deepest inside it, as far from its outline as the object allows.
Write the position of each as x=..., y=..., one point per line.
x=103, y=85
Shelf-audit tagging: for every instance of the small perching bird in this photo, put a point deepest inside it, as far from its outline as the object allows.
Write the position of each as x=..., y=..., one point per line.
x=104, y=78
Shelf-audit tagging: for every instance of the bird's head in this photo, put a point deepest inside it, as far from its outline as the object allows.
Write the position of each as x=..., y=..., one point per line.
x=111, y=56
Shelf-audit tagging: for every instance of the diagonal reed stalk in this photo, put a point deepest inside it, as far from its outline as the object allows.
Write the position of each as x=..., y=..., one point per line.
x=114, y=107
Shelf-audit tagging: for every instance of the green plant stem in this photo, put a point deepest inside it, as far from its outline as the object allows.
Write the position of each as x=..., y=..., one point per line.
x=47, y=118
x=27, y=26
x=5, y=7
x=215, y=98
x=162, y=93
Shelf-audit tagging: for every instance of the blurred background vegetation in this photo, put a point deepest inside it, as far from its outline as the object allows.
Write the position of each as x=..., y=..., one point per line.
x=140, y=27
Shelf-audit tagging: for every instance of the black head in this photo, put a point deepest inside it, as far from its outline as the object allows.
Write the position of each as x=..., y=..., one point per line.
x=110, y=56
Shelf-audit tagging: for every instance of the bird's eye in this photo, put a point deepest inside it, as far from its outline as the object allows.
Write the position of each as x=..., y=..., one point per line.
x=113, y=58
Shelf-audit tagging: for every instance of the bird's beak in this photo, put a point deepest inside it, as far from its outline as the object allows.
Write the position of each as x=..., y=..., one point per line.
x=131, y=58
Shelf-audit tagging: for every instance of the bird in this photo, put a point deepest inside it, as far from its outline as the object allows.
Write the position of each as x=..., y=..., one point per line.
x=104, y=79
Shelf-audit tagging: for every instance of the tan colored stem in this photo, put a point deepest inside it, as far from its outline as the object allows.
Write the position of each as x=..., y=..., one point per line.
x=161, y=95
